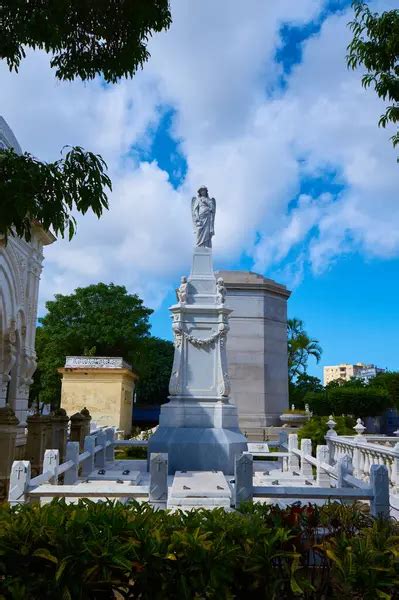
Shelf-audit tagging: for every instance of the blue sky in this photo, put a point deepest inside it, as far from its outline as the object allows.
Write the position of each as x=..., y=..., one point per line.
x=254, y=100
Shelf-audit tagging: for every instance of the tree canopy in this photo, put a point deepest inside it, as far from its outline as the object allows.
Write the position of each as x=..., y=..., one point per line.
x=100, y=319
x=85, y=37
x=31, y=190
x=154, y=363
x=300, y=348
x=353, y=397
x=375, y=46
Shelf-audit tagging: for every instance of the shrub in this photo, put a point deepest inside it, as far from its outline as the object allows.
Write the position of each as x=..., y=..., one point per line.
x=316, y=428
x=356, y=400
x=104, y=551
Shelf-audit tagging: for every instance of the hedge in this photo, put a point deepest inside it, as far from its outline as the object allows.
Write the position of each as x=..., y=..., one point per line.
x=106, y=550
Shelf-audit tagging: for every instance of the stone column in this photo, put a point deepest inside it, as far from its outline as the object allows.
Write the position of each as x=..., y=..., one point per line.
x=86, y=423
x=78, y=428
x=59, y=420
x=8, y=434
x=36, y=441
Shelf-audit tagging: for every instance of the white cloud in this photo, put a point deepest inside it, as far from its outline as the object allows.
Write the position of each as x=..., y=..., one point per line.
x=243, y=136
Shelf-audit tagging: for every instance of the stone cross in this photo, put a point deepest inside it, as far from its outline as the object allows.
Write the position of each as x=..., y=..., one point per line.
x=243, y=479
x=158, y=479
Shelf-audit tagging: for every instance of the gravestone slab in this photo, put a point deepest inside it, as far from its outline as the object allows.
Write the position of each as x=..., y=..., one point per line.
x=199, y=488
x=115, y=475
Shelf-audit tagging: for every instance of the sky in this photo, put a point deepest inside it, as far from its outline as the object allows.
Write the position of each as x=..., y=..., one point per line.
x=254, y=100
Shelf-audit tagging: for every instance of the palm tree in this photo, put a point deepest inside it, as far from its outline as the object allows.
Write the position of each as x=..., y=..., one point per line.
x=300, y=348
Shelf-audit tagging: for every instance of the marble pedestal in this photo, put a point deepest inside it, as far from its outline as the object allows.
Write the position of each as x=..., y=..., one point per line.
x=198, y=427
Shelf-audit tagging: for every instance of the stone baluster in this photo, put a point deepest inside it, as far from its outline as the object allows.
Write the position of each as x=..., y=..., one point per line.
x=72, y=454
x=330, y=435
x=395, y=468
x=110, y=451
x=293, y=460
x=88, y=464
x=99, y=460
x=306, y=467
x=8, y=434
x=379, y=483
x=322, y=478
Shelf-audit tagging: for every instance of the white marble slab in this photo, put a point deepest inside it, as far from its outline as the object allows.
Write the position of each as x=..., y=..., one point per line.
x=115, y=475
x=200, y=484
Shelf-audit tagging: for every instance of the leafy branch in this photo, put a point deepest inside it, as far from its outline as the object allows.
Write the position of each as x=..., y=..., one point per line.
x=48, y=193
x=375, y=46
x=87, y=38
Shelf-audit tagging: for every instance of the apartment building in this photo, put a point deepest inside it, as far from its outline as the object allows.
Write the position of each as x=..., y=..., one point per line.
x=345, y=372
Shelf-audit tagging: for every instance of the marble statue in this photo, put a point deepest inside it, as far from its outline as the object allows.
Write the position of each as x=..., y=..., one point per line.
x=203, y=211
x=220, y=291
x=182, y=291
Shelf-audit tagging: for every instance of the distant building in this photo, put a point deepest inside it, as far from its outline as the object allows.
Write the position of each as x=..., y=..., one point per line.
x=104, y=385
x=345, y=372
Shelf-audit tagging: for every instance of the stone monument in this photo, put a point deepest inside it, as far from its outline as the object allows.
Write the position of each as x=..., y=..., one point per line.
x=257, y=349
x=198, y=427
x=104, y=384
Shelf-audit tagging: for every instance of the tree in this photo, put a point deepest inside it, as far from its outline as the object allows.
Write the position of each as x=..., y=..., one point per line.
x=375, y=46
x=300, y=348
x=389, y=380
x=102, y=320
x=350, y=398
x=86, y=38
x=303, y=384
x=47, y=192
x=154, y=363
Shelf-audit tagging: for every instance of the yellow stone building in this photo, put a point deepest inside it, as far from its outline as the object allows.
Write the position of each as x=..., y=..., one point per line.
x=104, y=385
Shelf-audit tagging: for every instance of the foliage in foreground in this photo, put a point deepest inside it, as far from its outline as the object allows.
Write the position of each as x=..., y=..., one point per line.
x=49, y=193
x=113, y=551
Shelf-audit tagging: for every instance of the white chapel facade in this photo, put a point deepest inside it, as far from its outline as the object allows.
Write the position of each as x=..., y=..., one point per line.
x=20, y=269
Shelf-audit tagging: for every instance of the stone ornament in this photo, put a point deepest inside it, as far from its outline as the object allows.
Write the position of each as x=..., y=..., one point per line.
x=203, y=211
x=95, y=362
x=220, y=291
x=182, y=291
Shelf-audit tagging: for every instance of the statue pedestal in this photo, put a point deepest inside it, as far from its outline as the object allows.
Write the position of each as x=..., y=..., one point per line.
x=198, y=427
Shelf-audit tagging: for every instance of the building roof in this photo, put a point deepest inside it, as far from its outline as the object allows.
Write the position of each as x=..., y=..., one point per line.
x=251, y=280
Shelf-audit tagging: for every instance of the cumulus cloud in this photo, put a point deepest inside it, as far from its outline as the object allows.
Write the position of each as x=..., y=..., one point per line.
x=252, y=141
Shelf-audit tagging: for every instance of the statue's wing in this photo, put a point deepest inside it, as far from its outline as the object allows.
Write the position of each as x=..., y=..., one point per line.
x=213, y=202
x=193, y=206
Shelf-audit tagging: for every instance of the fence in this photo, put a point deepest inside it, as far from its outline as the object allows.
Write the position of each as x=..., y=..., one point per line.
x=98, y=449
x=347, y=487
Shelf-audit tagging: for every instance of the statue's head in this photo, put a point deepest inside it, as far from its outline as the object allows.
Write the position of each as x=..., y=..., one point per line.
x=203, y=191
x=184, y=279
x=220, y=280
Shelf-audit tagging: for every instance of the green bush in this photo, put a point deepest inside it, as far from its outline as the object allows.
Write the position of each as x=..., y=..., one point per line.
x=316, y=428
x=103, y=551
x=351, y=399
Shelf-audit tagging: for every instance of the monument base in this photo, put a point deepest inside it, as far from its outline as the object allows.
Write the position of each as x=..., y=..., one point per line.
x=198, y=448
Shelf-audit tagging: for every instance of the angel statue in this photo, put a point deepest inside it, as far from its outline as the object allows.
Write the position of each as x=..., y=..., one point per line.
x=203, y=211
